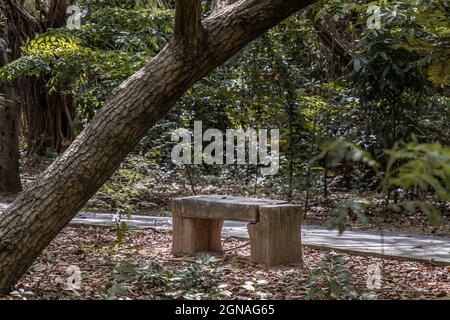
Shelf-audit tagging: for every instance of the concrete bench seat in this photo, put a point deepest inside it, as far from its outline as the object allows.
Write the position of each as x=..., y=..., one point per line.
x=274, y=226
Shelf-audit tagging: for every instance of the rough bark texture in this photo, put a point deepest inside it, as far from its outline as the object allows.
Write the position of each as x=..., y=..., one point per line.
x=219, y=5
x=9, y=136
x=45, y=207
x=47, y=117
x=188, y=25
x=9, y=145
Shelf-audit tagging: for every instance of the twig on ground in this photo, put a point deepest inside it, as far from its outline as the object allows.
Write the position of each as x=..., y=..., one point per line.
x=238, y=247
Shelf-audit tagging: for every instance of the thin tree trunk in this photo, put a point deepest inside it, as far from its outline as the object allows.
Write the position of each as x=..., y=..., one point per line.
x=48, y=205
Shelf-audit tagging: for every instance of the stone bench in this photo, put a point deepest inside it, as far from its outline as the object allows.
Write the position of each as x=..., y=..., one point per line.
x=274, y=226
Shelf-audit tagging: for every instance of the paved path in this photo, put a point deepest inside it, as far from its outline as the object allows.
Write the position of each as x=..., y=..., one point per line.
x=416, y=248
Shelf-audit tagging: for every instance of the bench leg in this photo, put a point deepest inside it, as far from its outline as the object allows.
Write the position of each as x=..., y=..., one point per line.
x=195, y=235
x=276, y=238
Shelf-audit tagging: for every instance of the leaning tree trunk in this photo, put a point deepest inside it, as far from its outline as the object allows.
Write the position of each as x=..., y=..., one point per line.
x=45, y=207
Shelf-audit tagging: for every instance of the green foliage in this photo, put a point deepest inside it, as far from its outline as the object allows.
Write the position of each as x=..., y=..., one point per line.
x=425, y=166
x=121, y=232
x=282, y=80
x=336, y=151
x=201, y=279
x=396, y=84
x=357, y=206
x=422, y=166
x=432, y=38
x=122, y=192
x=395, y=70
x=331, y=280
x=48, y=157
x=113, y=43
x=152, y=273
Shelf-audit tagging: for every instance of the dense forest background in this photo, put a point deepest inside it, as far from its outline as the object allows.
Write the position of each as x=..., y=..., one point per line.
x=363, y=112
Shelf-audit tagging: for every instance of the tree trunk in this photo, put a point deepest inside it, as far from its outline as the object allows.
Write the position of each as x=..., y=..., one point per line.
x=219, y=5
x=48, y=118
x=48, y=205
x=9, y=137
x=9, y=145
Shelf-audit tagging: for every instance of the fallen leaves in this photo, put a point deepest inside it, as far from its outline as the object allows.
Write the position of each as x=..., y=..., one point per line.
x=93, y=250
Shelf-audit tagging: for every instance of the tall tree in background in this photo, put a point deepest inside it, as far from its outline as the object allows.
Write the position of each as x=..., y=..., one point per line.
x=9, y=135
x=48, y=116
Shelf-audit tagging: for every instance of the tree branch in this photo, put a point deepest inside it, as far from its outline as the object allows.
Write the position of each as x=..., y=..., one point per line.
x=188, y=23
x=19, y=25
x=219, y=5
x=57, y=13
x=14, y=7
x=333, y=42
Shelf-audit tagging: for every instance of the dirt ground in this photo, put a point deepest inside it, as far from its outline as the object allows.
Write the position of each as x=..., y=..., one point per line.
x=141, y=266
x=102, y=263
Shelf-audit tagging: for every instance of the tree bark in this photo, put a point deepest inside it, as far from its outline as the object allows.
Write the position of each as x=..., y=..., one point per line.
x=40, y=212
x=48, y=118
x=9, y=145
x=9, y=137
x=219, y=5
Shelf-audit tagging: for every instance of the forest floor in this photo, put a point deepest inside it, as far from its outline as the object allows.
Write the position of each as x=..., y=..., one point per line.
x=138, y=264
x=142, y=267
